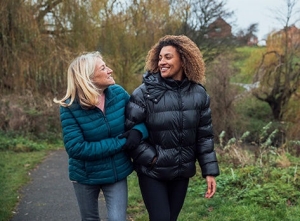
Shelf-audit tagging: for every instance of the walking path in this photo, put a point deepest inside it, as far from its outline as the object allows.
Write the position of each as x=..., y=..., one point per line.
x=50, y=195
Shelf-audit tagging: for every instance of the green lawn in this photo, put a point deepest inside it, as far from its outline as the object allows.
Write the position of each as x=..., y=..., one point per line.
x=267, y=193
x=249, y=193
x=14, y=168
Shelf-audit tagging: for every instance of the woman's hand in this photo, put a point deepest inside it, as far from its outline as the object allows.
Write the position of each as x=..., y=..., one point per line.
x=211, y=186
x=133, y=137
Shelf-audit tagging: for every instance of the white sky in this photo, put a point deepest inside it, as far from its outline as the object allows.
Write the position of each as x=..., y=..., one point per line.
x=262, y=12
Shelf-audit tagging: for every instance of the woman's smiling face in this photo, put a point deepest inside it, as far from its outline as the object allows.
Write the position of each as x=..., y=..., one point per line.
x=170, y=64
x=102, y=75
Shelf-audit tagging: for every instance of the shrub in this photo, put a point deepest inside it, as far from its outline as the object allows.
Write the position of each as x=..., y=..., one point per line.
x=30, y=115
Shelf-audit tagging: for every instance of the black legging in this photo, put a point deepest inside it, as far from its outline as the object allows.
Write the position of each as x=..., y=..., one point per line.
x=163, y=199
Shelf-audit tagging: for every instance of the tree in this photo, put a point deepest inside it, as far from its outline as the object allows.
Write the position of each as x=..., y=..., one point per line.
x=196, y=17
x=223, y=95
x=244, y=36
x=37, y=40
x=278, y=73
x=130, y=33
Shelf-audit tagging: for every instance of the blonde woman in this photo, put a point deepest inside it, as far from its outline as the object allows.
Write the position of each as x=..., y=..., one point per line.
x=176, y=110
x=92, y=119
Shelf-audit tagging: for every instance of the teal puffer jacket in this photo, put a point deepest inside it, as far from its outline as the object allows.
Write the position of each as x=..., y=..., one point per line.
x=91, y=139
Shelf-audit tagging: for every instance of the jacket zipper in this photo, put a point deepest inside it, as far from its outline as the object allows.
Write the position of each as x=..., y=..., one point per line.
x=109, y=134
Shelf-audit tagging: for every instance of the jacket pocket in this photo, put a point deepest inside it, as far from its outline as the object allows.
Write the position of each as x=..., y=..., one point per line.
x=143, y=154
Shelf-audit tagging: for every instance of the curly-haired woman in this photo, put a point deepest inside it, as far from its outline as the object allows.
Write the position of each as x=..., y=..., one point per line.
x=176, y=110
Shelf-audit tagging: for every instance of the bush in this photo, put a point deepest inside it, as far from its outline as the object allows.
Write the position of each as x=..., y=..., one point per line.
x=36, y=116
x=17, y=143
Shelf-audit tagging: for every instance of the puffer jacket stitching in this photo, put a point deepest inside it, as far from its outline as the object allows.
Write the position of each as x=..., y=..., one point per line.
x=190, y=170
x=119, y=162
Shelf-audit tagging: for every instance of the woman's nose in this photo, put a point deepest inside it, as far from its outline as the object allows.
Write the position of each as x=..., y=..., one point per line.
x=162, y=61
x=109, y=70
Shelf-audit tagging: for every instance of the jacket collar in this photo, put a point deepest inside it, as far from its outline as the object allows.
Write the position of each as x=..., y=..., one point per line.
x=157, y=86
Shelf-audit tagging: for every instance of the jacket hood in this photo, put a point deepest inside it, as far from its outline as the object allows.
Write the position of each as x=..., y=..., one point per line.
x=157, y=86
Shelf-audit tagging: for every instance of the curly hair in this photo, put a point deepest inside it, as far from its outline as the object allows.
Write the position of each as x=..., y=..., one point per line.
x=190, y=54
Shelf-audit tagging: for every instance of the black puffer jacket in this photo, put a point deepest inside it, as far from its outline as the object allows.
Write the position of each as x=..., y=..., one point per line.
x=178, y=119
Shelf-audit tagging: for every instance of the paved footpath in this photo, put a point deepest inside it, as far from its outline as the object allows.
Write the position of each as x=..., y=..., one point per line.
x=50, y=195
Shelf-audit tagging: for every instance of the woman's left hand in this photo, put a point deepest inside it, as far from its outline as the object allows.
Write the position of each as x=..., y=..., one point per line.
x=211, y=186
x=133, y=137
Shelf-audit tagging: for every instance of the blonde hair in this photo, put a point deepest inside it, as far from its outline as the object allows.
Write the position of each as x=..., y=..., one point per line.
x=80, y=84
x=191, y=57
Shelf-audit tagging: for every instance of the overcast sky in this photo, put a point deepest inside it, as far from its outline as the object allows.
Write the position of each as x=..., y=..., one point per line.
x=262, y=12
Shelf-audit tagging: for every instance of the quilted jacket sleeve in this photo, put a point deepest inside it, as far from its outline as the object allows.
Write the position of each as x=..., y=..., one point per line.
x=135, y=110
x=142, y=128
x=136, y=114
x=76, y=145
x=205, y=143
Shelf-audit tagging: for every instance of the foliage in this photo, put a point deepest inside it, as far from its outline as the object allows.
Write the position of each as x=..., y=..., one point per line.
x=244, y=36
x=223, y=94
x=292, y=118
x=255, y=184
x=267, y=148
x=19, y=154
x=19, y=143
x=234, y=110
x=278, y=71
x=254, y=109
x=14, y=168
x=254, y=113
x=264, y=186
x=127, y=48
x=244, y=58
x=30, y=115
x=251, y=186
x=136, y=207
x=196, y=17
x=39, y=38
x=33, y=53
x=259, y=164
x=248, y=193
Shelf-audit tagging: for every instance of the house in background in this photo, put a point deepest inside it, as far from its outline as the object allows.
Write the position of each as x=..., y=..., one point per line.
x=219, y=29
x=252, y=40
x=277, y=38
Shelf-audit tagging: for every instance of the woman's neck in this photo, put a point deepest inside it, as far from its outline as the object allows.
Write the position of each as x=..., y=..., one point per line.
x=101, y=102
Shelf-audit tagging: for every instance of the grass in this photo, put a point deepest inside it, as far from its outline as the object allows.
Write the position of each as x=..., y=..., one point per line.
x=267, y=192
x=242, y=200
x=243, y=62
x=262, y=187
x=14, y=168
x=19, y=155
